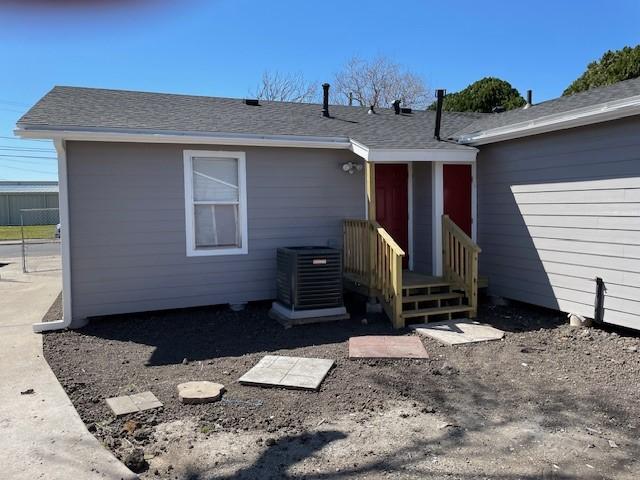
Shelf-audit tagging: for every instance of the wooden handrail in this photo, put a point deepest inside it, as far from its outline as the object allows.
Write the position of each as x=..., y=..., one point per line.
x=460, y=261
x=374, y=259
x=389, y=239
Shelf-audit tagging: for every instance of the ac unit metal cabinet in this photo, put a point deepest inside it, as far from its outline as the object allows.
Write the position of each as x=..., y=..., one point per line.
x=309, y=278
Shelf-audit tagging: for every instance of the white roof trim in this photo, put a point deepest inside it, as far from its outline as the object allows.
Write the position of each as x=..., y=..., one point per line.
x=186, y=138
x=573, y=118
x=372, y=155
x=391, y=155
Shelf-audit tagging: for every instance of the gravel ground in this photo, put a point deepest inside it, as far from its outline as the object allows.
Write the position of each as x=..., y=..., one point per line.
x=548, y=401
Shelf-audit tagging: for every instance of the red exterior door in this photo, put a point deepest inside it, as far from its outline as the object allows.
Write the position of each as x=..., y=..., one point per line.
x=456, y=181
x=392, y=203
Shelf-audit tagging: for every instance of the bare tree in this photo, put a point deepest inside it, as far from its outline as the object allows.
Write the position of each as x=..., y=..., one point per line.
x=285, y=88
x=379, y=82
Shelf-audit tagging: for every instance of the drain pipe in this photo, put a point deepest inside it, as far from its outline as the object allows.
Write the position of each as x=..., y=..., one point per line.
x=63, y=200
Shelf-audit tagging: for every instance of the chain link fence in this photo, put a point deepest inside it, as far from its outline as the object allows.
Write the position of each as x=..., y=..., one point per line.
x=40, y=239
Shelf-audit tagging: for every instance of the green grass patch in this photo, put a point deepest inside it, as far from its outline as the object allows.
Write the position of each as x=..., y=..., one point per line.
x=31, y=231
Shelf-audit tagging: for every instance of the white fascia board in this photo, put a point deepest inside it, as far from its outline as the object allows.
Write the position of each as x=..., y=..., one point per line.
x=574, y=118
x=186, y=138
x=404, y=155
x=248, y=140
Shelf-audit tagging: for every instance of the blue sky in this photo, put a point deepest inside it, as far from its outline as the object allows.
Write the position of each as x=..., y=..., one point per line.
x=221, y=47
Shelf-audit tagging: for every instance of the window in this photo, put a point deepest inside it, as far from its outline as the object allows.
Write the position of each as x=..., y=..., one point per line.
x=215, y=202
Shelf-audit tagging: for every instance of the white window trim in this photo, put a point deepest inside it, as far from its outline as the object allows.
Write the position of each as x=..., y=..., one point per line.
x=189, y=203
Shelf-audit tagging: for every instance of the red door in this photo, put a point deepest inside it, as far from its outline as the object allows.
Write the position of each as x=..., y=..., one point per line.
x=392, y=204
x=457, y=195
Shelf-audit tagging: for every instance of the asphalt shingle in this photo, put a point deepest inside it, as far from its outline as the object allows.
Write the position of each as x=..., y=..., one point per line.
x=90, y=108
x=588, y=98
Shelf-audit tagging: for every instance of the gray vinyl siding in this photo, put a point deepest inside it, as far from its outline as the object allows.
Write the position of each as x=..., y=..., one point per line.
x=422, y=218
x=127, y=215
x=558, y=210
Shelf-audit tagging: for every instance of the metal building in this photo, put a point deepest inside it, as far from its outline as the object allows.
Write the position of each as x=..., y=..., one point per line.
x=15, y=196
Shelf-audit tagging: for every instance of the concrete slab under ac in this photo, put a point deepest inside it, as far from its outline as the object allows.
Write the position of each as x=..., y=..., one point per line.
x=457, y=332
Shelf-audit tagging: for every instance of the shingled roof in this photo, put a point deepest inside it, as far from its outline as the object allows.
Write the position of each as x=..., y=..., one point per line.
x=100, y=110
x=588, y=98
x=72, y=108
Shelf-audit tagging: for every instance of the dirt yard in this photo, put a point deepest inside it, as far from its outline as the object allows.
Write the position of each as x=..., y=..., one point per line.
x=547, y=401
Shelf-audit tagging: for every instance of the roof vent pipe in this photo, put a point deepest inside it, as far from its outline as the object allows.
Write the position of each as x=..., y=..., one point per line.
x=529, y=99
x=371, y=110
x=439, y=102
x=396, y=107
x=325, y=100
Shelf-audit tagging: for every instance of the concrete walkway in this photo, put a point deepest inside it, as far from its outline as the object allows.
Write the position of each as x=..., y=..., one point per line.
x=41, y=434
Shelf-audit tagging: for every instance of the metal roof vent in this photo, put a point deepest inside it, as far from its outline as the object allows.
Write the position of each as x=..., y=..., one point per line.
x=396, y=107
x=254, y=102
x=529, y=100
x=406, y=110
x=371, y=110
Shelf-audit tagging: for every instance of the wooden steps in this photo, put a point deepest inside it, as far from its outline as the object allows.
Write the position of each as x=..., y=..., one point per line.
x=431, y=297
x=426, y=297
x=447, y=312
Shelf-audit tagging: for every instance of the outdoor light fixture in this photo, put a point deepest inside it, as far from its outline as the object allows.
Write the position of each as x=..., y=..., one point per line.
x=351, y=167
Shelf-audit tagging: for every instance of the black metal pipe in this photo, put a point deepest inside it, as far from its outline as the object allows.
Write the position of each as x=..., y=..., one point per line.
x=439, y=102
x=598, y=313
x=325, y=100
x=396, y=107
x=529, y=97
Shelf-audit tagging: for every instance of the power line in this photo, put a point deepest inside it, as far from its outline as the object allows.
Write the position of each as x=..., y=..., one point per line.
x=36, y=162
x=25, y=139
x=29, y=156
x=29, y=170
x=13, y=102
x=27, y=149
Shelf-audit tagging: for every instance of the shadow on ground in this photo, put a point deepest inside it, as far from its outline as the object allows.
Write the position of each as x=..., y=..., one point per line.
x=213, y=332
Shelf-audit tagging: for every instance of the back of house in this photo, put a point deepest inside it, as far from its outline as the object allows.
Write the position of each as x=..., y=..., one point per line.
x=171, y=201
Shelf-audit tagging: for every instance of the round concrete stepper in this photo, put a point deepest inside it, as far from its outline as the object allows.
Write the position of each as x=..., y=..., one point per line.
x=200, y=392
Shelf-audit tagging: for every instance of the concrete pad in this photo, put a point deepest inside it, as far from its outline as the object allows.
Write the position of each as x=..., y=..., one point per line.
x=457, y=332
x=199, y=392
x=133, y=403
x=122, y=405
x=288, y=372
x=384, y=346
x=42, y=434
x=145, y=401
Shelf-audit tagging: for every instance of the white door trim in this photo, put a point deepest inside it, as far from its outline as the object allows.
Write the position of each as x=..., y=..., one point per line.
x=437, y=208
x=409, y=206
x=437, y=191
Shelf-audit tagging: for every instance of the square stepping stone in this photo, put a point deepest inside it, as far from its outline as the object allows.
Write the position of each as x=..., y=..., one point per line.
x=288, y=372
x=384, y=346
x=133, y=403
x=457, y=332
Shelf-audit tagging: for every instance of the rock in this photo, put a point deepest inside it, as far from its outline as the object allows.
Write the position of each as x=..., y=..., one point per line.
x=185, y=361
x=142, y=434
x=428, y=409
x=130, y=426
x=134, y=460
x=28, y=391
x=613, y=444
x=269, y=442
x=632, y=349
x=200, y=392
